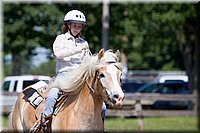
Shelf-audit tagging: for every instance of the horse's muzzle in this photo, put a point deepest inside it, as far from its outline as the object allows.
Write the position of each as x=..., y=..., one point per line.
x=116, y=99
x=117, y=102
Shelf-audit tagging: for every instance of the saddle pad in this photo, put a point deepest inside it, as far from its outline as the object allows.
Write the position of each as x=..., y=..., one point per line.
x=33, y=96
x=39, y=85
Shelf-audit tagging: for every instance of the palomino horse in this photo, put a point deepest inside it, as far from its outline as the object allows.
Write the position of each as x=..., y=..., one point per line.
x=94, y=82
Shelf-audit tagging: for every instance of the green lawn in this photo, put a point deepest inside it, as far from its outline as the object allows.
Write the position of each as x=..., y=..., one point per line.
x=3, y=121
x=186, y=124
x=153, y=124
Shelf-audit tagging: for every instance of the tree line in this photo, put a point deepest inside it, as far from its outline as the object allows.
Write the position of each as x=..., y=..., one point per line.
x=153, y=36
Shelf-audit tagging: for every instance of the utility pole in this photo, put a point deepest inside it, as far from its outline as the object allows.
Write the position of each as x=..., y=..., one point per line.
x=105, y=25
x=1, y=39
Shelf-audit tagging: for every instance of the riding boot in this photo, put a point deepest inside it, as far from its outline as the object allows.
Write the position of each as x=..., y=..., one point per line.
x=44, y=122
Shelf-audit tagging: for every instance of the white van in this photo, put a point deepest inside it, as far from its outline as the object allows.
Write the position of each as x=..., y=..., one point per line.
x=11, y=87
x=18, y=83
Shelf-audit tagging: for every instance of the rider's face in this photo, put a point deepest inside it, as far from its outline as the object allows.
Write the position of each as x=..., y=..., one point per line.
x=76, y=28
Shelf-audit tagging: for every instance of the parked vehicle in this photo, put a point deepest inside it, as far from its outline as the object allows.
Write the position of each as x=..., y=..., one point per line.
x=164, y=78
x=18, y=83
x=11, y=87
x=168, y=87
x=131, y=87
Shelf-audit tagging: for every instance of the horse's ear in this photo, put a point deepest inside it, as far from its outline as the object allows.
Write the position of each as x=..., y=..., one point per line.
x=117, y=53
x=100, y=54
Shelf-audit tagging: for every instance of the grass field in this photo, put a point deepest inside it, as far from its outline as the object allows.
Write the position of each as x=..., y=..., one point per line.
x=153, y=124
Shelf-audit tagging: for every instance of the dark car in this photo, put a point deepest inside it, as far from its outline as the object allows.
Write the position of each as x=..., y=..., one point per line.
x=131, y=87
x=170, y=87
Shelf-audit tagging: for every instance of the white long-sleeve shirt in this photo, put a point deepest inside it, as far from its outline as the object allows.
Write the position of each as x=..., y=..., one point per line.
x=68, y=52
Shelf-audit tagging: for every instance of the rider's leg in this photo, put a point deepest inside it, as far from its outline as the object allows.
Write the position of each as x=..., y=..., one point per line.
x=103, y=112
x=50, y=102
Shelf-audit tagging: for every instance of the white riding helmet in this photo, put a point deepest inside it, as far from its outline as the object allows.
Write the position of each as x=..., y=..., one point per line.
x=75, y=16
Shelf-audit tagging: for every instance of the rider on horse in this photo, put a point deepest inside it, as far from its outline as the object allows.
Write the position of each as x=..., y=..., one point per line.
x=70, y=50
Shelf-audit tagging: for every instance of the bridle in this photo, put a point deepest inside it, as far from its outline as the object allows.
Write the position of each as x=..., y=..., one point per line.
x=97, y=76
x=91, y=87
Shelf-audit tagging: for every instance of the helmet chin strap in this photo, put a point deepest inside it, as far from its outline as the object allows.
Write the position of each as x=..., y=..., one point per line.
x=69, y=27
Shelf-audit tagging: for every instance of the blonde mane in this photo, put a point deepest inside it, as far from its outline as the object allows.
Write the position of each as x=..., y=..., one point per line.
x=74, y=80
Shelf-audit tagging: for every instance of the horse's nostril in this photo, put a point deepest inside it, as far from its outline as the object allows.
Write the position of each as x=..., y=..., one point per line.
x=114, y=101
x=116, y=96
x=123, y=99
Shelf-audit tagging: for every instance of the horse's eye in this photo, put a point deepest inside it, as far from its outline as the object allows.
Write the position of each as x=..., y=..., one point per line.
x=101, y=75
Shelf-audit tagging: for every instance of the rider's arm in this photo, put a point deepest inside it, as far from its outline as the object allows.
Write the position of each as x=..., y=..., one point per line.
x=65, y=46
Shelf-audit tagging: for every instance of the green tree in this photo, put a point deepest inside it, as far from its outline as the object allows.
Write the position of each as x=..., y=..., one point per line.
x=47, y=68
x=146, y=32
x=154, y=36
x=27, y=26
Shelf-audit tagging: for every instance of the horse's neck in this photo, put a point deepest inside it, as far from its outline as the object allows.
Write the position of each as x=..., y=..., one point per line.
x=89, y=101
x=83, y=111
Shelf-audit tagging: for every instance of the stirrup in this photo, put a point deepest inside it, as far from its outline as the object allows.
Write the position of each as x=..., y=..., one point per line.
x=44, y=122
x=40, y=124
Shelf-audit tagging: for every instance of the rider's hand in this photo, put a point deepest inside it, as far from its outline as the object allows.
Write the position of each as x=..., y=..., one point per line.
x=83, y=47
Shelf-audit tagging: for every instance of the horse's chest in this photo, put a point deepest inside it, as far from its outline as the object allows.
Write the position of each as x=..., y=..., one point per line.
x=77, y=123
x=90, y=124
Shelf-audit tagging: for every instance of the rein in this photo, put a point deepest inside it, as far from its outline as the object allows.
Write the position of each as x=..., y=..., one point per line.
x=91, y=88
x=93, y=81
x=93, y=91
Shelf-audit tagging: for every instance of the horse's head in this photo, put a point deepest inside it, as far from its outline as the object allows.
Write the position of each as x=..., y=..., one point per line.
x=108, y=75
